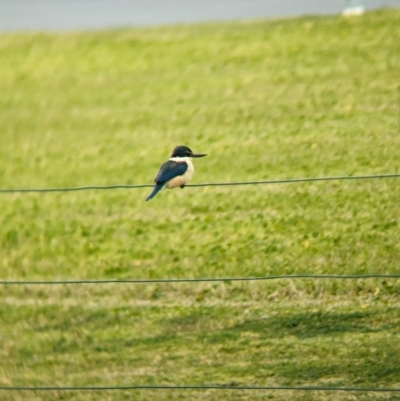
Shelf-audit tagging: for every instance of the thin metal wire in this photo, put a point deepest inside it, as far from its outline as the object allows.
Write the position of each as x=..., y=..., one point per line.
x=70, y=189
x=197, y=280
x=205, y=387
x=212, y=184
x=297, y=180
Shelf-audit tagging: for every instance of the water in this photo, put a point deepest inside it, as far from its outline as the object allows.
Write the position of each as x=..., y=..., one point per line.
x=98, y=14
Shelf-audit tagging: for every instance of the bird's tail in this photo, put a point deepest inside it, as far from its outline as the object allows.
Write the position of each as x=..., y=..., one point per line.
x=156, y=190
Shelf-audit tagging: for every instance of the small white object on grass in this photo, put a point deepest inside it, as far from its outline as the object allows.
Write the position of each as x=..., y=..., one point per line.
x=353, y=7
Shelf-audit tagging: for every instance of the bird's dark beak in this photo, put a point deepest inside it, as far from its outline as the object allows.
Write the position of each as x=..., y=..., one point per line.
x=199, y=154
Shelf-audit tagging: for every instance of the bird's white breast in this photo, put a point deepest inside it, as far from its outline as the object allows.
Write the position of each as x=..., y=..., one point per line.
x=185, y=177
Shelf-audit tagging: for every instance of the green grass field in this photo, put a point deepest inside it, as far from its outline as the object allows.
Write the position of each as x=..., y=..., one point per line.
x=307, y=97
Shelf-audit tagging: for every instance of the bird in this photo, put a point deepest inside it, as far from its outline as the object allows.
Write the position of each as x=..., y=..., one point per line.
x=177, y=171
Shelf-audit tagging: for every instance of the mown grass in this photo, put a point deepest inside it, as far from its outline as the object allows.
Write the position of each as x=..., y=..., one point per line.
x=268, y=99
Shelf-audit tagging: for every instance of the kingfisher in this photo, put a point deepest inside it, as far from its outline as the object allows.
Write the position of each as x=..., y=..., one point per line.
x=177, y=171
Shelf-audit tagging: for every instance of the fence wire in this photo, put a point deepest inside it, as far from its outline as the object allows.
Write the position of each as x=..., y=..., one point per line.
x=197, y=280
x=204, y=387
x=210, y=184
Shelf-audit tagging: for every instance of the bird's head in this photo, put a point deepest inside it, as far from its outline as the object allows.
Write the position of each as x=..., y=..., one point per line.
x=184, y=151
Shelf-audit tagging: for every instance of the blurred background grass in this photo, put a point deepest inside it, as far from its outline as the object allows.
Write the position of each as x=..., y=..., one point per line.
x=306, y=97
